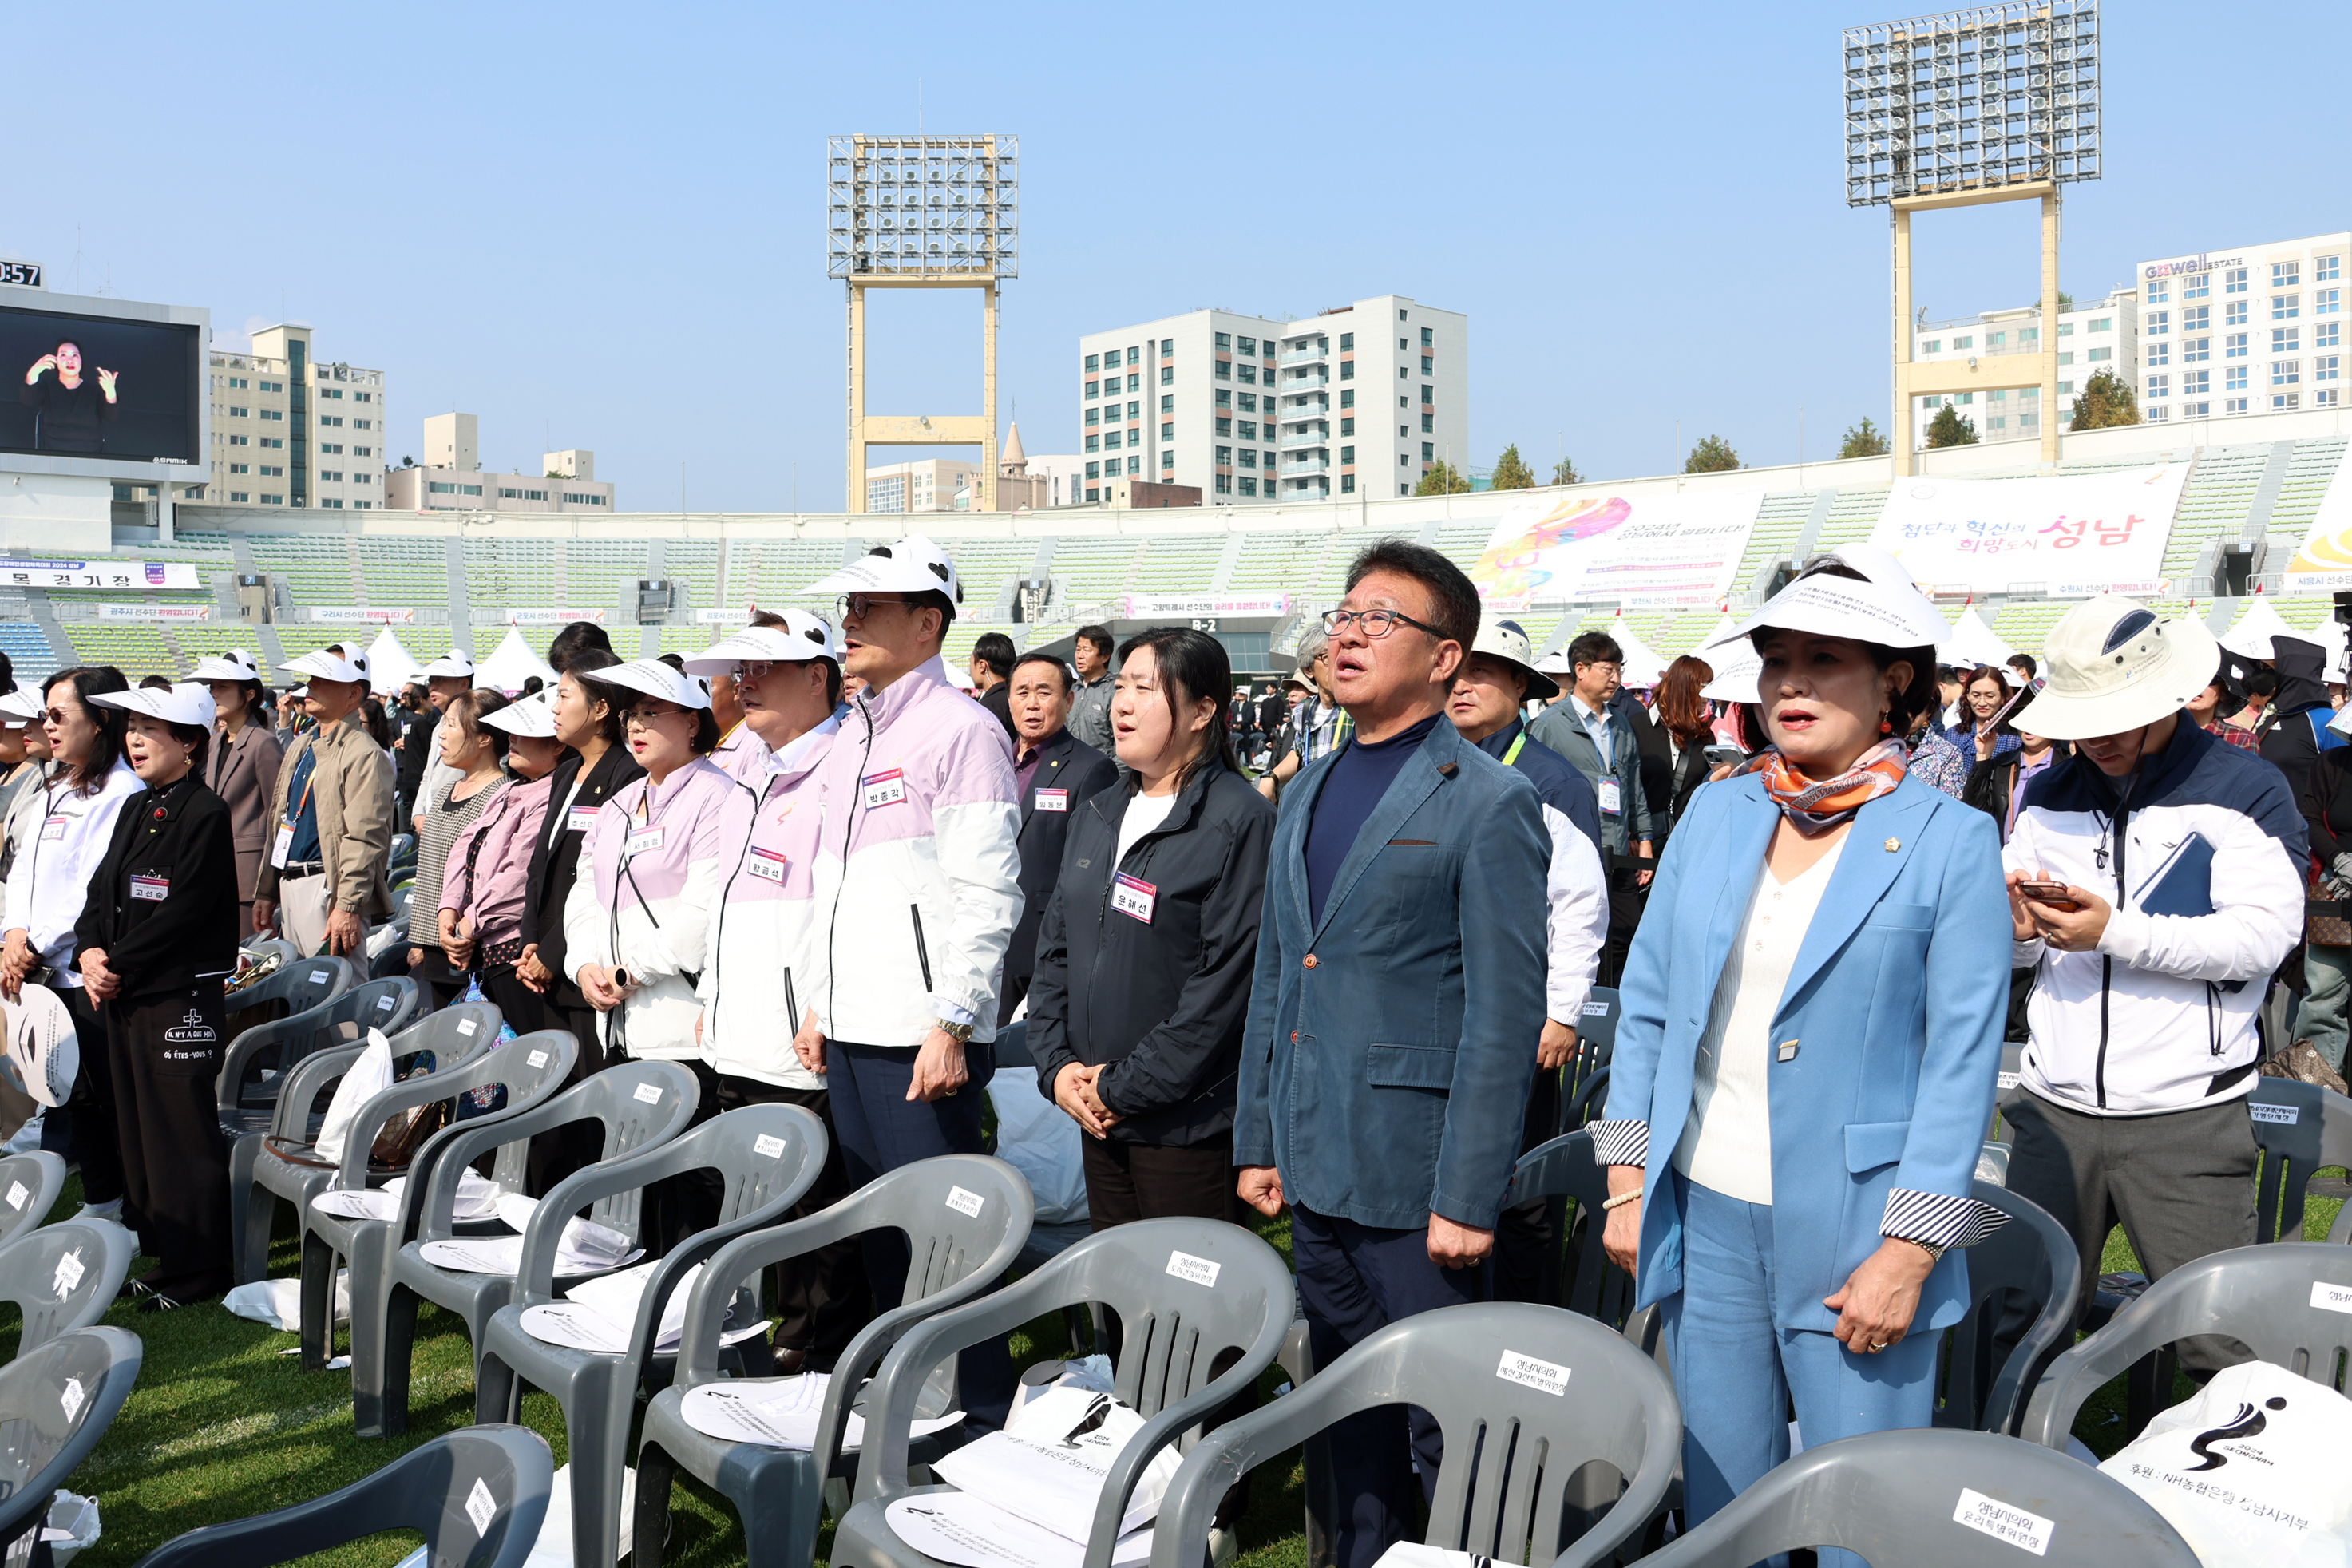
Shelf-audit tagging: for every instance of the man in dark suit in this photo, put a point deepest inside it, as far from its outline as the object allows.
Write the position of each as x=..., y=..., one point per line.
x=1054, y=771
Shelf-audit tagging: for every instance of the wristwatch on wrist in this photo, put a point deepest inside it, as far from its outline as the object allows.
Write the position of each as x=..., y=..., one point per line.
x=958, y=1031
x=1935, y=1252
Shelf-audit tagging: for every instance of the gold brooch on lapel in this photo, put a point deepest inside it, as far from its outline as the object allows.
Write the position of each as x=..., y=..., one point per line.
x=1893, y=845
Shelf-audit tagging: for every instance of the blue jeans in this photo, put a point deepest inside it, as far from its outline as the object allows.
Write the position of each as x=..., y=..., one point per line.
x=2320, y=1018
x=1736, y=1372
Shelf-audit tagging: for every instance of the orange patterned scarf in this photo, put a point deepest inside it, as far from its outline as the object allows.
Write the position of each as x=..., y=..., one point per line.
x=1816, y=807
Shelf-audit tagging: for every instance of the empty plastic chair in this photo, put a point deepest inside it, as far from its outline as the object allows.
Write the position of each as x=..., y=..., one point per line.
x=253, y=1067
x=29, y=1185
x=64, y=1276
x=1526, y=1395
x=2031, y=1257
x=56, y=1403
x=479, y=1497
x=2301, y=1128
x=769, y=1156
x=263, y=1171
x=642, y=1104
x=1935, y=1498
x=1175, y=1326
x=2265, y=1298
x=529, y=1068
x=965, y=1217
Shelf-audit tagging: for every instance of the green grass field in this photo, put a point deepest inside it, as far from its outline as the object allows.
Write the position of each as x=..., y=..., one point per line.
x=223, y=1424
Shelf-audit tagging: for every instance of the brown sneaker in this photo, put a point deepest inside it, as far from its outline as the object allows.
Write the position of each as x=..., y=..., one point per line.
x=2303, y=1062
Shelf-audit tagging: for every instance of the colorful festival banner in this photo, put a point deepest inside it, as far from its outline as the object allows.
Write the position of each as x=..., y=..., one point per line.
x=1638, y=551
x=2067, y=536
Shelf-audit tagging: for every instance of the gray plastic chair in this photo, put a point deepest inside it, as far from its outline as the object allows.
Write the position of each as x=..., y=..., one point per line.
x=1174, y=1331
x=64, y=1276
x=2033, y=1257
x=258, y=1179
x=2259, y=1296
x=529, y=1068
x=1513, y=1497
x=29, y=1186
x=1596, y=1043
x=56, y=1403
x=2292, y=1151
x=768, y=1156
x=276, y=1048
x=380, y=1370
x=431, y=1489
x=1891, y=1497
x=1564, y=1168
x=779, y=1492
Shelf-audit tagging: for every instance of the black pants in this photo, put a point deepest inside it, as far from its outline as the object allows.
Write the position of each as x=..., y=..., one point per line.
x=558, y=1152
x=1524, y=1234
x=165, y=1052
x=524, y=1010
x=1009, y=997
x=1627, y=898
x=821, y=1298
x=82, y=1128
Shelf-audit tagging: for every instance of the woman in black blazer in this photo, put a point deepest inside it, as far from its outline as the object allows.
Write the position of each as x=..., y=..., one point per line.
x=153, y=943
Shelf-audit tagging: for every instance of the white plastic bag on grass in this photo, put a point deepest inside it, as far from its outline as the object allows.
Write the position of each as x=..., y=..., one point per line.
x=365, y=1078
x=279, y=1302
x=71, y=1527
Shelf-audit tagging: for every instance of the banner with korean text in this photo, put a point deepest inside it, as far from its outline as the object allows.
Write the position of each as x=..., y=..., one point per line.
x=106, y=576
x=1151, y=606
x=1663, y=550
x=153, y=612
x=2323, y=562
x=2068, y=536
x=553, y=617
x=364, y=614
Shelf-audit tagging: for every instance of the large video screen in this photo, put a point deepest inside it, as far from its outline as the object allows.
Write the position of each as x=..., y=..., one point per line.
x=98, y=386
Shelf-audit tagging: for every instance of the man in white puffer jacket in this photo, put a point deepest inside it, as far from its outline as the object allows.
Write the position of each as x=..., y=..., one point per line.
x=2177, y=863
x=917, y=893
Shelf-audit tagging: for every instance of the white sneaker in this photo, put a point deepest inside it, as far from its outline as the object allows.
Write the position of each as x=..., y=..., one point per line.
x=113, y=1211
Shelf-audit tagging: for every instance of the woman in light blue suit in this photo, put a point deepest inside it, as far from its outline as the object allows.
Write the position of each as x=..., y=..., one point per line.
x=1805, y=1065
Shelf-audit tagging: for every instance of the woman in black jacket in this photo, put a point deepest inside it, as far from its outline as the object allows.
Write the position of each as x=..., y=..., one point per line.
x=1149, y=942
x=154, y=942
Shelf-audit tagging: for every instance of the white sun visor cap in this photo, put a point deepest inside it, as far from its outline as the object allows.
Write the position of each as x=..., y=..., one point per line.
x=910, y=565
x=802, y=639
x=188, y=702
x=22, y=705
x=455, y=664
x=1505, y=640
x=530, y=718
x=1885, y=608
x=236, y=664
x=2110, y=665
x=655, y=679
x=326, y=664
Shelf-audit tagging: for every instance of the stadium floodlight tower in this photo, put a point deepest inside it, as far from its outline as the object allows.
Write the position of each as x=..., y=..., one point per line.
x=922, y=211
x=1999, y=103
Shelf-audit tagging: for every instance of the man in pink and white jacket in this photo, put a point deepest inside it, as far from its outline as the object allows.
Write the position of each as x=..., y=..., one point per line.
x=917, y=893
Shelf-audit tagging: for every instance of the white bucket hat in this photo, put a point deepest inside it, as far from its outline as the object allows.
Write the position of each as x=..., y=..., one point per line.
x=530, y=718
x=187, y=702
x=1884, y=607
x=455, y=664
x=655, y=679
x=326, y=664
x=235, y=664
x=802, y=639
x=1505, y=640
x=2111, y=665
x=910, y=565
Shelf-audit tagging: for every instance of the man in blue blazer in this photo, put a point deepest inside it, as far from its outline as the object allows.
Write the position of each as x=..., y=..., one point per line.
x=1399, y=993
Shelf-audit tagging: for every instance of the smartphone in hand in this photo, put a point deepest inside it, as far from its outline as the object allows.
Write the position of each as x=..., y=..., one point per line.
x=2051, y=894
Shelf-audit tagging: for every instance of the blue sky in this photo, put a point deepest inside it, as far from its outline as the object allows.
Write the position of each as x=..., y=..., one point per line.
x=604, y=226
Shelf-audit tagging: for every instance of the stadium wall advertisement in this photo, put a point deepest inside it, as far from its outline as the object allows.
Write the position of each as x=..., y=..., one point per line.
x=2323, y=562
x=153, y=612
x=1661, y=551
x=1151, y=606
x=552, y=617
x=102, y=576
x=363, y=615
x=2071, y=535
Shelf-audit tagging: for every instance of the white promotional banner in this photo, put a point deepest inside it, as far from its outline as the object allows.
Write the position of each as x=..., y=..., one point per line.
x=1646, y=550
x=1151, y=607
x=363, y=615
x=2068, y=536
x=2324, y=564
x=553, y=616
x=722, y=618
x=154, y=612
x=107, y=576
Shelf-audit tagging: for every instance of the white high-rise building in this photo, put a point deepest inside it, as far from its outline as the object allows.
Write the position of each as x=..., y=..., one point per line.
x=1254, y=409
x=2255, y=329
x=288, y=431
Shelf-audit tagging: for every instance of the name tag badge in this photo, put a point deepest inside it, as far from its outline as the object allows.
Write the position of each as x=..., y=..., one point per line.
x=1053, y=800
x=150, y=889
x=583, y=819
x=283, y=847
x=1611, y=799
x=1133, y=897
x=645, y=840
x=766, y=865
x=54, y=829
x=885, y=789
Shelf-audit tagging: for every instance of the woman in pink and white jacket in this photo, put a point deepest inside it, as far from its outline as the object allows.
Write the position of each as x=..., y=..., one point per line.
x=489, y=873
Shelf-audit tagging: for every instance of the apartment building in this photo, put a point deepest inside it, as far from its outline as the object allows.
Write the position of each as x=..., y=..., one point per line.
x=1250, y=408
x=452, y=478
x=2103, y=335
x=928, y=484
x=290, y=431
x=2255, y=329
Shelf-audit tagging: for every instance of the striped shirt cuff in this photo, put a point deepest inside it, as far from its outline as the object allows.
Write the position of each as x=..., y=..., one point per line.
x=1620, y=1142
x=1938, y=1220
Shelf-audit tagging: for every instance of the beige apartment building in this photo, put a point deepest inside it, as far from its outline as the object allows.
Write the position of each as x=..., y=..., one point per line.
x=452, y=478
x=288, y=430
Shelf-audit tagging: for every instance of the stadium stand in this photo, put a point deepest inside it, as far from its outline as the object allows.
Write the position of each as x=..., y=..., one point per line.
x=27, y=649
